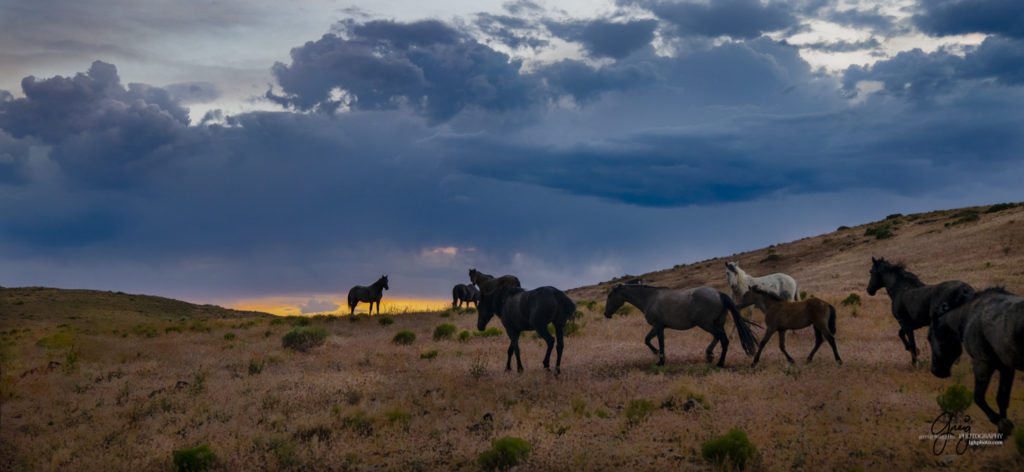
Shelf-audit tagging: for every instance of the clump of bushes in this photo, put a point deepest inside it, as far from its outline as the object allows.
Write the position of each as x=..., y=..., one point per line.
x=465, y=335
x=444, y=331
x=429, y=354
x=229, y=336
x=638, y=410
x=589, y=304
x=625, y=310
x=489, y=332
x=194, y=459
x=771, y=258
x=385, y=320
x=881, y=230
x=852, y=300
x=304, y=338
x=504, y=453
x=404, y=337
x=359, y=423
x=733, y=447
x=955, y=399
x=963, y=216
x=1000, y=207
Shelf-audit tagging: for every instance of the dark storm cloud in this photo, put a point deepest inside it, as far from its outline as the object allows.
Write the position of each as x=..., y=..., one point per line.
x=949, y=17
x=924, y=76
x=101, y=132
x=585, y=83
x=510, y=30
x=426, y=66
x=843, y=46
x=740, y=19
x=601, y=38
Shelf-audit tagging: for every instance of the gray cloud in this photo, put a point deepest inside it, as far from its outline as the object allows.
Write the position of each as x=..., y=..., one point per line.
x=739, y=19
x=317, y=306
x=601, y=38
x=949, y=17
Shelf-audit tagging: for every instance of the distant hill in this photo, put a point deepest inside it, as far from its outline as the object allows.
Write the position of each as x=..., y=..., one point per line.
x=982, y=246
x=39, y=305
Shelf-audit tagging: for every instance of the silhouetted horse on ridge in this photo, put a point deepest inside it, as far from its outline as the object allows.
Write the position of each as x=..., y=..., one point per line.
x=370, y=294
x=913, y=302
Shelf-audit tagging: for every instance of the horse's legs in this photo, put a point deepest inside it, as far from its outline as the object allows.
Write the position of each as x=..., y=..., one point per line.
x=818, y=339
x=709, y=352
x=782, y=345
x=767, y=335
x=661, y=345
x=650, y=336
x=513, y=341
x=560, y=343
x=1003, y=399
x=982, y=375
x=832, y=342
x=542, y=331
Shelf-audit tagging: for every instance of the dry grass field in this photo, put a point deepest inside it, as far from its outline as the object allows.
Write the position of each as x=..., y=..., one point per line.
x=108, y=389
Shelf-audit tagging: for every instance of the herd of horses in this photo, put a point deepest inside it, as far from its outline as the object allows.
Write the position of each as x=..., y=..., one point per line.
x=989, y=324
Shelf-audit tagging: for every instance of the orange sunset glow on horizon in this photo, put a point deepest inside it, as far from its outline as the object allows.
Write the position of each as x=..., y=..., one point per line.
x=304, y=306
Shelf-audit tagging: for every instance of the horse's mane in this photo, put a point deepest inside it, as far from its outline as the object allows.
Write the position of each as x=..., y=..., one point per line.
x=757, y=290
x=380, y=282
x=995, y=290
x=900, y=269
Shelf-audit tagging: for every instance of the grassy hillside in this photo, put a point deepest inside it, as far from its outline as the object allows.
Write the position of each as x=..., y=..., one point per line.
x=982, y=246
x=40, y=306
x=81, y=397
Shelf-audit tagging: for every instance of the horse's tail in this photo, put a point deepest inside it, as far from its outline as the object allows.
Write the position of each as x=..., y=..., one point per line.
x=747, y=338
x=832, y=319
x=565, y=304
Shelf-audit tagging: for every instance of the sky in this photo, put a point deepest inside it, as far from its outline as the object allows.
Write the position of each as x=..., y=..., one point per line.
x=266, y=153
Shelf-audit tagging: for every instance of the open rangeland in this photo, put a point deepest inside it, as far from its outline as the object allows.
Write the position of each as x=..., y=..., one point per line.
x=84, y=389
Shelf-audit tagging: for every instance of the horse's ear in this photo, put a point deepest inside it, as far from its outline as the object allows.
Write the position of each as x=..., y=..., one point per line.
x=873, y=260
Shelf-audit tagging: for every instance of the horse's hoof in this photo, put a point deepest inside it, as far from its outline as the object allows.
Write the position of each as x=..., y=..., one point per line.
x=520, y=370
x=1005, y=427
x=840, y=361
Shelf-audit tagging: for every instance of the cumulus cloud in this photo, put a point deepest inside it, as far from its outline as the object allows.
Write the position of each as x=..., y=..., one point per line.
x=740, y=19
x=949, y=17
x=602, y=38
x=426, y=66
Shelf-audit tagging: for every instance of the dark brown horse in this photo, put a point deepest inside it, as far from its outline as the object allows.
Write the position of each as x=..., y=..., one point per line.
x=913, y=302
x=782, y=315
x=370, y=294
x=533, y=310
x=465, y=293
x=990, y=325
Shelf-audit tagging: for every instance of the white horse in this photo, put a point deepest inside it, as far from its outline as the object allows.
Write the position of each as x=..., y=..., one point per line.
x=778, y=284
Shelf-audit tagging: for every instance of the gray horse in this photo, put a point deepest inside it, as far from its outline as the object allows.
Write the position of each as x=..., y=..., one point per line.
x=663, y=308
x=991, y=327
x=913, y=302
x=521, y=310
x=370, y=294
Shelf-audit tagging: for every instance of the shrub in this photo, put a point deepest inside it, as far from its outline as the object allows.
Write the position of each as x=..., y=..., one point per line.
x=893, y=216
x=625, y=310
x=359, y=423
x=733, y=446
x=803, y=294
x=851, y=300
x=842, y=228
x=444, y=331
x=963, y=216
x=300, y=320
x=429, y=354
x=1000, y=207
x=465, y=335
x=304, y=338
x=588, y=304
x=955, y=399
x=385, y=320
x=771, y=258
x=504, y=453
x=404, y=337
x=398, y=416
x=1018, y=440
x=489, y=332
x=194, y=459
x=880, y=231
x=229, y=336
x=358, y=317
x=256, y=366
x=637, y=410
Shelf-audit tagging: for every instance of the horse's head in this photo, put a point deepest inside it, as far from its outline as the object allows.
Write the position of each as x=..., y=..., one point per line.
x=880, y=268
x=614, y=301
x=383, y=281
x=946, y=348
x=473, y=274
x=732, y=273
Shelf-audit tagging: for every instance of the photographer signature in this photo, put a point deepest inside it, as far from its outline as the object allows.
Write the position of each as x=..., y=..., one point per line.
x=945, y=428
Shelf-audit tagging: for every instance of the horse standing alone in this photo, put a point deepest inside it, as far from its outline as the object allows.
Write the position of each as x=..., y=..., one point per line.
x=370, y=294
x=990, y=325
x=465, y=293
x=682, y=309
x=781, y=315
x=520, y=310
x=913, y=302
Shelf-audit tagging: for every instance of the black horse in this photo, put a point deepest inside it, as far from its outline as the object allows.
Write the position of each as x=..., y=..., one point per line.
x=912, y=301
x=370, y=294
x=489, y=284
x=465, y=293
x=521, y=310
x=991, y=327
